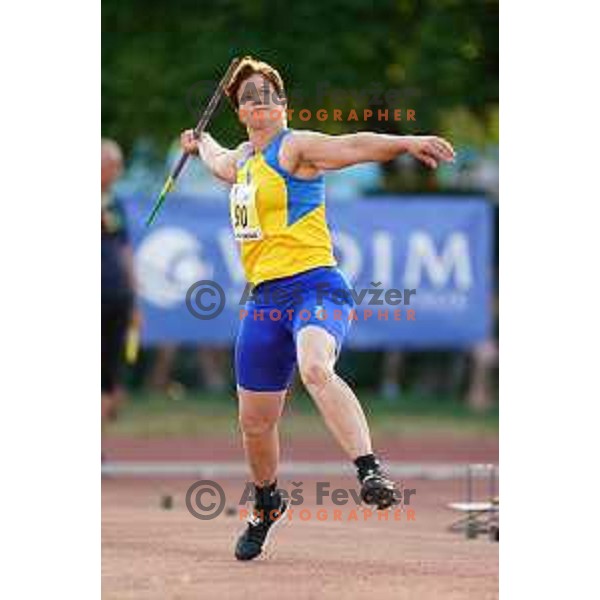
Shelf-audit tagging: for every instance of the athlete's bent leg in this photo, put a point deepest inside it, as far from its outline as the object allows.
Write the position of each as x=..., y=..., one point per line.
x=259, y=413
x=341, y=410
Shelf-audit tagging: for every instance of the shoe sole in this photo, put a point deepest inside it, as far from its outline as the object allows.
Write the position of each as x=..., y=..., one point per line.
x=381, y=497
x=275, y=524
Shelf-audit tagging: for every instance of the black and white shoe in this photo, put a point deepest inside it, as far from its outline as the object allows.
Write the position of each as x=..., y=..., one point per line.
x=251, y=542
x=379, y=491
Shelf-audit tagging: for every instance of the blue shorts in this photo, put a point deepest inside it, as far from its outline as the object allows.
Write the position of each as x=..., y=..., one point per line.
x=265, y=350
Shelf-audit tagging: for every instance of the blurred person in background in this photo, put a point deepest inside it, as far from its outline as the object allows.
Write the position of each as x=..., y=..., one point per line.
x=484, y=359
x=212, y=361
x=391, y=376
x=118, y=282
x=481, y=392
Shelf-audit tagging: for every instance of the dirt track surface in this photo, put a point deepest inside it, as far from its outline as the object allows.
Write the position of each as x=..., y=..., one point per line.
x=152, y=553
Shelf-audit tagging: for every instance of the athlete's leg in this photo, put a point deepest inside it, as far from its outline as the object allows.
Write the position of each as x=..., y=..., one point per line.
x=259, y=413
x=264, y=360
x=341, y=410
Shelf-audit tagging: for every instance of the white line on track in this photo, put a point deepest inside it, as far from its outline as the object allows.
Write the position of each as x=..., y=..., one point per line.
x=207, y=470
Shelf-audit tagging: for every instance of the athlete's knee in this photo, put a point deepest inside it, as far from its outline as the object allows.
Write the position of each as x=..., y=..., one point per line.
x=257, y=425
x=315, y=372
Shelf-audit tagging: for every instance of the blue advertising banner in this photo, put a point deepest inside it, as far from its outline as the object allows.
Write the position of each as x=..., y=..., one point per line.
x=438, y=247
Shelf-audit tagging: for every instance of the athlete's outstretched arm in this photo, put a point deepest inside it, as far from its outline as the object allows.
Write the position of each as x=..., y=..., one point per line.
x=338, y=151
x=219, y=160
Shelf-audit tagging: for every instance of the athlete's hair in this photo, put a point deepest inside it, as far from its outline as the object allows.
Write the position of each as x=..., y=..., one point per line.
x=249, y=66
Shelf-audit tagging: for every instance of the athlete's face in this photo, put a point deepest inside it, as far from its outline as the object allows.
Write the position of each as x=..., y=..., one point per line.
x=259, y=105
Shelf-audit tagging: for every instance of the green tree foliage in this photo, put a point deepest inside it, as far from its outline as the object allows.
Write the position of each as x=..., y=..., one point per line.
x=158, y=59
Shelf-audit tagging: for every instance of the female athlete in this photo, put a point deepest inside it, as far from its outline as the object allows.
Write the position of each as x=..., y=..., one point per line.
x=277, y=207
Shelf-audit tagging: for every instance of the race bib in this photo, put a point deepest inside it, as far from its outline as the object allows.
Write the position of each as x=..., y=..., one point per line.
x=243, y=213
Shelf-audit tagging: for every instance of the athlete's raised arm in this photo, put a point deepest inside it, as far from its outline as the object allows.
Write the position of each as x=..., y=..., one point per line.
x=220, y=161
x=328, y=152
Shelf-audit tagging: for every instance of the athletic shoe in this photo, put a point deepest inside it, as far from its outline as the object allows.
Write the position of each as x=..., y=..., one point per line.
x=378, y=490
x=251, y=542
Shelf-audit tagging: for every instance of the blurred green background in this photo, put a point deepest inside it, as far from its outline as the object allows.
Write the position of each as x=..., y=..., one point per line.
x=442, y=55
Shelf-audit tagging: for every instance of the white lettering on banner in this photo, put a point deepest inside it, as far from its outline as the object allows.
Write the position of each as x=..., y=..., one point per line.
x=168, y=261
x=454, y=259
x=382, y=258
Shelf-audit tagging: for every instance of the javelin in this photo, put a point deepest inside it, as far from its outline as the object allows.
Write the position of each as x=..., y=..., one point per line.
x=202, y=123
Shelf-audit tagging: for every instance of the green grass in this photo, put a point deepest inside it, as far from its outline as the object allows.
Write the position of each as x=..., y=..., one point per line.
x=189, y=414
